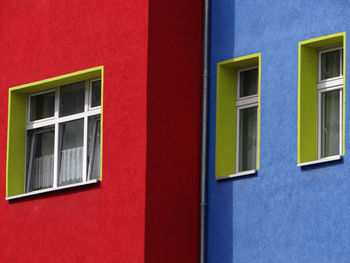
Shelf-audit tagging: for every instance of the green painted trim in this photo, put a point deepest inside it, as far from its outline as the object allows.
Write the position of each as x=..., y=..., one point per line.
x=259, y=120
x=225, y=122
x=225, y=157
x=307, y=94
x=101, y=139
x=344, y=73
x=308, y=104
x=16, y=139
x=59, y=81
x=299, y=110
x=8, y=140
x=324, y=41
x=241, y=62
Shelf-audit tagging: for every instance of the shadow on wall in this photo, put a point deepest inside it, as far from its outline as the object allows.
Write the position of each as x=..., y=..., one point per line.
x=61, y=192
x=220, y=239
x=173, y=131
x=320, y=166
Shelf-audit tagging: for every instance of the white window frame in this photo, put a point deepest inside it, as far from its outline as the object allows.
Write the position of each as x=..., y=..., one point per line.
x=241, y=104
x=55, y=121
x=327, y=85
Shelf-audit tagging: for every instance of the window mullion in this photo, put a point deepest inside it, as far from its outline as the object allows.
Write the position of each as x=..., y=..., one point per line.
x=56, y=150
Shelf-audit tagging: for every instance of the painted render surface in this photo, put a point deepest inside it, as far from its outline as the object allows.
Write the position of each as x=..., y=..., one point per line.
x=43, y=39
x=107, y=222
x=285, y=213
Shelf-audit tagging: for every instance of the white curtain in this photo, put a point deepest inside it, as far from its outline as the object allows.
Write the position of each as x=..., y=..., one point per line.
x=71, y=168
x=43, y=173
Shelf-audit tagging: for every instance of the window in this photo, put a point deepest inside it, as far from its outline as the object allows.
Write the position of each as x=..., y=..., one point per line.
x=238, y=117
x=329, y=88
x=321, y=92
x=246, y=120
x=60, y=145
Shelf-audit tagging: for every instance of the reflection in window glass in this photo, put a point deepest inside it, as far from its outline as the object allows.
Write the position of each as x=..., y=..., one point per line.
x=247, y=138
x=248, y=82
x=42, y=106
x=330, y=120
x=94, y=147
x=72, y=98
x=40, y=164
x=330, y=64
x=71, y=136
x=96, y=93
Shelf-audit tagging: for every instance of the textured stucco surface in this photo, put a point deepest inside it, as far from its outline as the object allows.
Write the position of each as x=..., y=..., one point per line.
x=285, y=213
x=42, y=39
x=151, y=129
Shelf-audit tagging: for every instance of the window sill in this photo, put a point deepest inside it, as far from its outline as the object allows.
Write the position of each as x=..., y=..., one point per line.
x=323, y=160
x=249, y=172
x=52, y=189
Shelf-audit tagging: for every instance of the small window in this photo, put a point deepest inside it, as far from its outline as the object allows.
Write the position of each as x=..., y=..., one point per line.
x=95, y=93
x=248, y=82
x=63, y=136
x=330, y=93
x=331, y=64
x=42, y=106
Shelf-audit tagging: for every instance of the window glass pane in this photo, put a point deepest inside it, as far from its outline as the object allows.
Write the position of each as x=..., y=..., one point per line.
x=94, y=147
x=247, y=139
x=72, y=98
x=71, y=136
x=42, y=106
x=96, y=93
x=330, y=64
x=248, y=82
x=330, y=118
x=40, y=162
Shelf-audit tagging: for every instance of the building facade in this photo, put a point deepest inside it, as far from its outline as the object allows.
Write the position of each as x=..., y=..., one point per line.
x=143, y=205
x=278, y=174
x=100, y=153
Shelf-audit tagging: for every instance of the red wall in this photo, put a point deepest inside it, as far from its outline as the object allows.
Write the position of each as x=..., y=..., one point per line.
x=151, y=129
x=173, y=122
x=46, y=38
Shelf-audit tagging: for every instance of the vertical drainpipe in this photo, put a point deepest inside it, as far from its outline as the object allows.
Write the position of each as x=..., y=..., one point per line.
x=204, y=134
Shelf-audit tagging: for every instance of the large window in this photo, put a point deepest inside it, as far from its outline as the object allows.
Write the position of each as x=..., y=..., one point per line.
x=54, y=138
x=63, y=130
x=237, y=117
x=321, y=94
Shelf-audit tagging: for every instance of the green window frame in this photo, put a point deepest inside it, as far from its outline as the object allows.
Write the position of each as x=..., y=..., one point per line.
x=17, y=128
x=309, y=101
x=226, y=116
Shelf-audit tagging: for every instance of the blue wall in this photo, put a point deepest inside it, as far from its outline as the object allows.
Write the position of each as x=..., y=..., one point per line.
x=285, y=213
